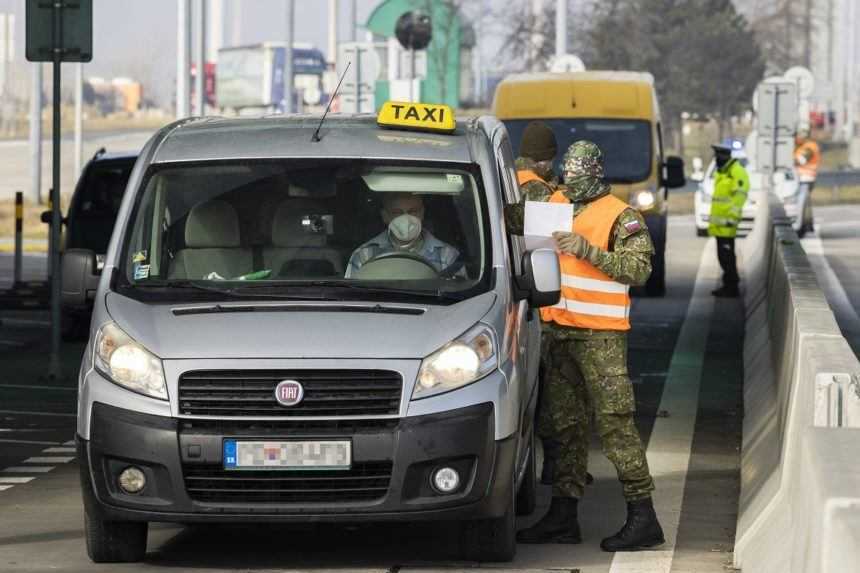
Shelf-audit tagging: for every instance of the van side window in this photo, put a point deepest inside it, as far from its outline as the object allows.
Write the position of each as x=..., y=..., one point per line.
x=510, y=189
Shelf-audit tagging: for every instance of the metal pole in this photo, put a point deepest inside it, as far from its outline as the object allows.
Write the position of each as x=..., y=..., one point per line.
x=183, y=56
x=560, y=28
x=200, y=61
x=412, y=96
x=288, y=59
x=54, y=370
x=36, y=134
x=358, y=51
x=332, y=33
x=19, y=228
x=79, y=116
x=353, y=35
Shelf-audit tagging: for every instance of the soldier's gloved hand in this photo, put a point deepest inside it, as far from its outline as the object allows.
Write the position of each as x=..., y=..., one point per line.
x=576, y=245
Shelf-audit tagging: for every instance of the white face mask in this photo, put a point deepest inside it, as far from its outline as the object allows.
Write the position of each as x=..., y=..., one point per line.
x=405, y=228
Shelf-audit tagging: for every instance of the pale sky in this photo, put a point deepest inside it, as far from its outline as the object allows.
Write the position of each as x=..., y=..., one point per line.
x=137, y=38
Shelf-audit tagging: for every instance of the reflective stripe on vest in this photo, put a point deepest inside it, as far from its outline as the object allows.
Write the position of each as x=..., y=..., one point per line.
x=590, y=298
x=526, y=175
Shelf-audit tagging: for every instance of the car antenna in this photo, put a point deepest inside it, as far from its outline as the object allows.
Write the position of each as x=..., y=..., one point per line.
x=316, y=136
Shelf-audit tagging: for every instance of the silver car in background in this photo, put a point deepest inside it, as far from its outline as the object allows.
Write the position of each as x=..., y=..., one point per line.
x=236, y=371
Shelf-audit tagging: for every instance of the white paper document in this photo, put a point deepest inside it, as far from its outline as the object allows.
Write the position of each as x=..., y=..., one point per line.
x=543, y=219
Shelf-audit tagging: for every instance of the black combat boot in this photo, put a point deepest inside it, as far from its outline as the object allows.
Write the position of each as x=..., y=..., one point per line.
x=641, y=531
x=559, y=525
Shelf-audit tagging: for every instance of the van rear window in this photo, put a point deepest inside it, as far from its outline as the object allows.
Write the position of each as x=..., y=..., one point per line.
x=626, y=144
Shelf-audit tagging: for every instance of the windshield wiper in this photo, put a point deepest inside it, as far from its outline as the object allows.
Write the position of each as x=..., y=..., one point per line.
x=237, y=291
x=371, y=289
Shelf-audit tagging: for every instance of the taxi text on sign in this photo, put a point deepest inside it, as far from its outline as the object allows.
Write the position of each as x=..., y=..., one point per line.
x=419, y=116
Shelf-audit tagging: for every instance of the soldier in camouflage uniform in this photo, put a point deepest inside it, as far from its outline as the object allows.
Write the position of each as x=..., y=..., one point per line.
x=587, y=373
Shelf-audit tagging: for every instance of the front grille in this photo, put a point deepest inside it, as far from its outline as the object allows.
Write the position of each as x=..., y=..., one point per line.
x=268, y=428
x=364, y=482
x=327, y=393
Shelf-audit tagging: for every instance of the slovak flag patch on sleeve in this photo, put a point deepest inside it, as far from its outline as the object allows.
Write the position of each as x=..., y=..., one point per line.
x=632, y=226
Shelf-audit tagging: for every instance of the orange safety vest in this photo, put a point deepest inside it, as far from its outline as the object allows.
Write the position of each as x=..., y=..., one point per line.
x=807, y=171
x=589, y=297
x=526, y=175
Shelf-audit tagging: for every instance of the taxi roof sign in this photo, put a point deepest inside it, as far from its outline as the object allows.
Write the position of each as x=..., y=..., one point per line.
x=417, y=116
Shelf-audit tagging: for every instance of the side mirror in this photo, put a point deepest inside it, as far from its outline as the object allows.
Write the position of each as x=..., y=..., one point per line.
x=80, y=277
x=673, y=173
x=540, y=282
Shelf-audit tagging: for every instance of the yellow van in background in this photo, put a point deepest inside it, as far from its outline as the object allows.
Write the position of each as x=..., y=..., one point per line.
x=619, y=112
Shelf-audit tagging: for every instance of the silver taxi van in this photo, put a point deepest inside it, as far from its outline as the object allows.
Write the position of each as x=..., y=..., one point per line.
x=305, y=323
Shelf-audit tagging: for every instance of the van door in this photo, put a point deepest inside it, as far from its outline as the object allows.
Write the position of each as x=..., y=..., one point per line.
x=527, y=320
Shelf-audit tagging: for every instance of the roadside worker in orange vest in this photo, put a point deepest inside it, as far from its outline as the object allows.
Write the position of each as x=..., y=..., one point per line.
x=807, y=158
x=608, y=251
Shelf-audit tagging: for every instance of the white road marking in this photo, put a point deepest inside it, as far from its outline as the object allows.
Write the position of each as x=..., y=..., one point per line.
x=48, y=460
x=23, y=413
x=69, y=443
x=27, y=469
x=671, y=441
x=60, y=450
x=829, y=281
x=16, y=480
x=5, y=487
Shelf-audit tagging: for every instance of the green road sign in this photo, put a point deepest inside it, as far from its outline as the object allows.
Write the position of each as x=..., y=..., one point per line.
x=75, y=38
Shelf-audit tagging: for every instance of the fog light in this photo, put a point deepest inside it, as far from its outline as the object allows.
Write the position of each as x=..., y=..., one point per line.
x=132, y=480
x=446, y=480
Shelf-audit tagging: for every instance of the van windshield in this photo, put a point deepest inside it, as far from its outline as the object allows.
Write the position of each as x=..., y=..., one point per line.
x=96, y=204
x=626, y=143
x=309, y=229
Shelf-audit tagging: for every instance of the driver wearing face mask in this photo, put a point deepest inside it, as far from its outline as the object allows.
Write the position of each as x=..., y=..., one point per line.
x=403, y=213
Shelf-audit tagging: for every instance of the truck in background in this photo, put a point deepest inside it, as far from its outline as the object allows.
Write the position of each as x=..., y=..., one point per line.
x=252, y=77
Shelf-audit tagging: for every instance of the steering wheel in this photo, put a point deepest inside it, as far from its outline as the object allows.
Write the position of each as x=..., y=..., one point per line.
x=398, y=265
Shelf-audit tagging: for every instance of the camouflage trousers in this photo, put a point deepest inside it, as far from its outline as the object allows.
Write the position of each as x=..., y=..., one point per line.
x=584, y=376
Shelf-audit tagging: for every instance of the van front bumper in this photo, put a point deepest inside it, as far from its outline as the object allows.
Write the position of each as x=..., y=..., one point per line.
x=171, y=452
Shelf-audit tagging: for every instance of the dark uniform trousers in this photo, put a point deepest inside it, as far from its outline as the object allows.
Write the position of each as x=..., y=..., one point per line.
x=585, y=376
x=728, y=260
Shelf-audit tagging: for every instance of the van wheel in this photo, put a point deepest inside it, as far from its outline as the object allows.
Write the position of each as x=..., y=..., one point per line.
x=492, y=540
x=115, y=541
x=701, y=232
x=527, y=494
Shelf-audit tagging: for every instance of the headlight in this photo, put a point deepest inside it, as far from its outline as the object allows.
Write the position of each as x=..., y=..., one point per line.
x=460, y=362
x=125, y=362
x=644, y=200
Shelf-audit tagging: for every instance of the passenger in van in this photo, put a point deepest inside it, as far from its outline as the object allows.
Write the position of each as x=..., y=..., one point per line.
x=403, y=213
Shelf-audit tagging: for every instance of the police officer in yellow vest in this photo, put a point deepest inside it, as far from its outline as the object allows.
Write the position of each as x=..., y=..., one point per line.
x=585, y=335
x=731, y=186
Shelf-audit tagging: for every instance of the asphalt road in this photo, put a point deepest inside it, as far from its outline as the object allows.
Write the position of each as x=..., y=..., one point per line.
x=834, y=251
x=685, y=362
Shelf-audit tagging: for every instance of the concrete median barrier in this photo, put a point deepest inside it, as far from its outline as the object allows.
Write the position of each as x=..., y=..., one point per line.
x=799, y=509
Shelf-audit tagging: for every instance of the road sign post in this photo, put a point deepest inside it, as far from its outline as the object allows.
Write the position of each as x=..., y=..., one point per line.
x=58, y=31
x=776, y=106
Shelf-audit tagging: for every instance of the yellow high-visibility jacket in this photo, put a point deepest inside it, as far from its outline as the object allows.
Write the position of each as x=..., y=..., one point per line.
x=731, y=186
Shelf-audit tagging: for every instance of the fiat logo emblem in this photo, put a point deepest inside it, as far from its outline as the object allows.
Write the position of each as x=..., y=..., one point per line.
x=289, y=392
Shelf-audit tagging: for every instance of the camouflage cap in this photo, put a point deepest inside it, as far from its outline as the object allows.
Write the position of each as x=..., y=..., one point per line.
x=583, y=158
x=583, y=171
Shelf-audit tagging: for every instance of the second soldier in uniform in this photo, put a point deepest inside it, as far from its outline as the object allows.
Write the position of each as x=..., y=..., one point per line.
x=585, y=355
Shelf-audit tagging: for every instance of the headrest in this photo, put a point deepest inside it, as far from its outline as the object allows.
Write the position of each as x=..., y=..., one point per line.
x=213, y=224
x=287, y=228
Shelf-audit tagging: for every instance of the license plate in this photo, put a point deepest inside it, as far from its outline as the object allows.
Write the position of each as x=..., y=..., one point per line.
x=288, y=455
